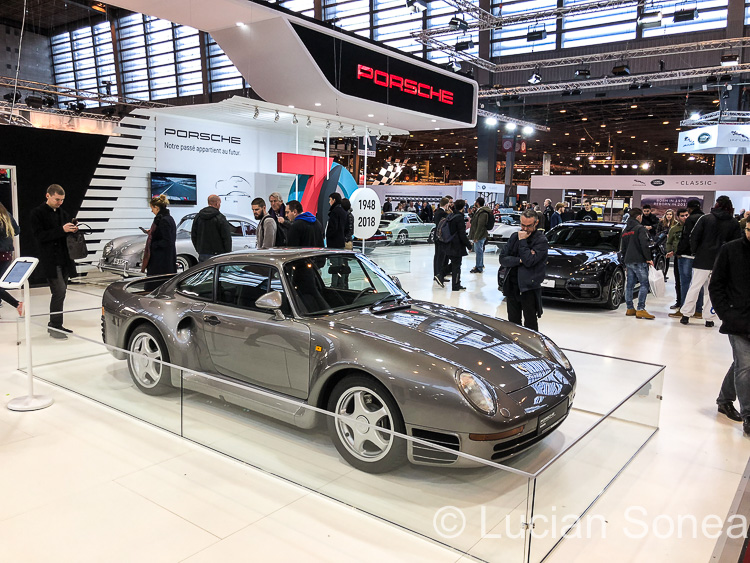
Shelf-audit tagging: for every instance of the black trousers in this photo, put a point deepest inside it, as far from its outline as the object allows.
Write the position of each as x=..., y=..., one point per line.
x=58, y=287
x=525, y=303
x=438, y=261
x=455, y=271
x=677, y=285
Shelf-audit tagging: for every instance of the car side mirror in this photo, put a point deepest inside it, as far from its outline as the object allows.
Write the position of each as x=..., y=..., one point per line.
x=272, y=300
x=397, y=282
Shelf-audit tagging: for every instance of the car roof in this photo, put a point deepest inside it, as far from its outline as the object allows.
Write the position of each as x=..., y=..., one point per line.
x=275, y=255
x=227, y=215
x=592, y=224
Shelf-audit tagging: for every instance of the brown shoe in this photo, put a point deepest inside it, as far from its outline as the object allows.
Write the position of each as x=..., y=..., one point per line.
x=676, y=314
x=643, y=315
x=630, y=313
x=698, y=315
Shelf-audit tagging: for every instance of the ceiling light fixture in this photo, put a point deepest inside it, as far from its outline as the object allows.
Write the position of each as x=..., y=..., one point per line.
x=491, y=121
x=695, y=115
x=536, y=34
x=730, y=60
x=528, y=130
x=582, y=73
x=535, y=78
x=621, y=70
x=309, y=122
x=257, y=113
x=415, y=6
x=276, y=117
x=458, y=24
x=99, y=7
x=510, y=126
x=650, y=19
x=686, y=15
x=464, y=45
x=294, y=119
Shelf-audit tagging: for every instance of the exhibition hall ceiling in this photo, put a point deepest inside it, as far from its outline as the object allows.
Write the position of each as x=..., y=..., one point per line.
x=44, y=15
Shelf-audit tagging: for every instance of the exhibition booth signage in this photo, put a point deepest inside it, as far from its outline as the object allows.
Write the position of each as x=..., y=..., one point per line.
x=642, y=183
x=716, y=139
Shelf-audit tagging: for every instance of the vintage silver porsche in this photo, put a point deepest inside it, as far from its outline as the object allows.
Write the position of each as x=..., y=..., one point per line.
x=332, y=330
x=124, y=255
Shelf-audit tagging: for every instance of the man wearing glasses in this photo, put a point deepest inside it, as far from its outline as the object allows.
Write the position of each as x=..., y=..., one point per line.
x=729, y=289
x=525, y=257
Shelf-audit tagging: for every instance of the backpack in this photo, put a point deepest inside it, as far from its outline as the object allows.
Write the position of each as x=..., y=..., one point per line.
x=280, y=240
x=444, y=234
x=490, y=220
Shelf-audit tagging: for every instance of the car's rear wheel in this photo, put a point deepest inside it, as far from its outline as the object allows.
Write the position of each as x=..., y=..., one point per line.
x=145, y=361
x=616, y=290
x=183, y=263
x=363, y=405
x=661, y=265
x=401, y=238
x=431, y=238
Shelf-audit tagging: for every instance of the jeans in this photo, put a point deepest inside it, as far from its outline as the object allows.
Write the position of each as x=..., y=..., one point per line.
x=479, y=250
x=736, y=384
x=637, y=272
x=685, y=266
x=57, y=286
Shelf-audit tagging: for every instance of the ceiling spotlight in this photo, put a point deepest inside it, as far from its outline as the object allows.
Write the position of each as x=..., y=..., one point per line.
x=257, y=113
x=99, y=7
x=12, y=97
x=458, y=24
x=464, y=45
x=646, y=85
x=276, y=117
x=34, y=102
x=491, y=121
x=49, y=101
x=730, y=60
x=650, y=19
x=76, y=107
x=328, y=125
x=713, y=79
x=582, y=73
x=645, y=165
x=341, y=127
x=621, y=70
x=725, y=78
x=510, y=126
x=535, y=78
x=536, y=34
x=354, y=133
x=695, y=115
x=389, y=138
x=725, y=96
x=452, y=65
x=633, y=86
x=309, y=122
x=294, y=119
x=415, y=6
x=686, y=15
x=528, y=130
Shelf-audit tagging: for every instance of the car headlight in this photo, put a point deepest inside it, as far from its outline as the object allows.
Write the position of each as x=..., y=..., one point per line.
x=477, y=392
x=107, y=249
x=594, y=267
x=555, y=353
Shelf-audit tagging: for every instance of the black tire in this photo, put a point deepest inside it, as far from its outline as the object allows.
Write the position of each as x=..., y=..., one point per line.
x=661, y=264
x=364, y=395
x=616, y=290
x=431, y=237
x=184, y=262
x=401, y=238
x=146, y=345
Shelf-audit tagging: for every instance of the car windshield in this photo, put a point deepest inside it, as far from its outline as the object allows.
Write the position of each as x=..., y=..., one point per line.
x=514, y=219
x=337, y=282
x=388, y=217
x=186, y=224
x=585, y=238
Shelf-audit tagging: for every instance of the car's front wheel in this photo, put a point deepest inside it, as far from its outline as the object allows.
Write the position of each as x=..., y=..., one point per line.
x=145, y=361
x=363, y=406
x=616, y=290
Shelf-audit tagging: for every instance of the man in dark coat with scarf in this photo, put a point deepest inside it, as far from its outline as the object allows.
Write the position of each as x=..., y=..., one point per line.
x=336, y=226
x=50, y=226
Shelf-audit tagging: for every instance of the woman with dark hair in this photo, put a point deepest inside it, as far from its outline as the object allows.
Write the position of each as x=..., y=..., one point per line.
x=160, y=255
x=8, y=229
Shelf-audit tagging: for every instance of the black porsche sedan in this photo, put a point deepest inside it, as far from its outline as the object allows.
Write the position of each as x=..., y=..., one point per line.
x=585, y=263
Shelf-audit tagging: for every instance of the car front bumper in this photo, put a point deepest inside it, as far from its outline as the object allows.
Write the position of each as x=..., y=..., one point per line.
x=119, y=266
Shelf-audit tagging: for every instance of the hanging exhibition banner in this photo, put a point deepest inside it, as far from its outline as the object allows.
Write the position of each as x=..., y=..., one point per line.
x=716, y=139
x=659, y=184
x=661, y=202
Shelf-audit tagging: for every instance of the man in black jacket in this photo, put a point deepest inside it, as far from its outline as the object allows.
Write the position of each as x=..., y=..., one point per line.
x=636, y=254
x=438, y=260
x=685, y=256
x=710, y=232
x=459, y=245
x=729, y=289
x=305, y=229
x=50, y=225
x=649, y=220
x=336, y=226
x=525, y=257
x=211, y=232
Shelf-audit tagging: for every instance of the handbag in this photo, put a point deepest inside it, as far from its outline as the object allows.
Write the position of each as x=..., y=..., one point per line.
x=656, y=283
x=76, y=242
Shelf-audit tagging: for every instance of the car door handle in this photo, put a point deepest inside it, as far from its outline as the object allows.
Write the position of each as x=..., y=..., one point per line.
x=211, y=319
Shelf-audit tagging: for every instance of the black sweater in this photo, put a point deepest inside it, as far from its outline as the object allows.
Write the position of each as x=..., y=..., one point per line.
x=729, y=287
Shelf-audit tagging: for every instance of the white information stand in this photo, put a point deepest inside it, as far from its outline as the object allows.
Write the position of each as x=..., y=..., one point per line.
x=366, y=210
x=15, y=277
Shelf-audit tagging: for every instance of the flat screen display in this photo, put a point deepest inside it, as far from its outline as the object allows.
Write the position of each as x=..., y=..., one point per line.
x=180, y=189
x=17, y=272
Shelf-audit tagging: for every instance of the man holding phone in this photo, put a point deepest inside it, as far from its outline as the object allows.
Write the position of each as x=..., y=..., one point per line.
x=50, y=225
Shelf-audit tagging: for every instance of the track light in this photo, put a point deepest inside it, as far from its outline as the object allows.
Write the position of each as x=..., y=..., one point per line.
x=713, y=79
x=294, y=119
x=276, y=117
x=491, y=121
x=354, y=133
x=686, y=15
x=34, y=102
x=328, y=125
x=309, y=122
x=535, y=78
x=12, y=97
x=49, y=101
x=76, y=107
x=730, y=60
x=458, y=24
x=582, y=73
x=510, y=126
x=257, y=113
x=109, y=111
x=650, y=19
x=695, y=115
x=536, y=34
x=528, y=130
x=633, y=86
x=646, y=85
x=341, y=127
x=464, y=45
x=621, y=70
x=415, y=6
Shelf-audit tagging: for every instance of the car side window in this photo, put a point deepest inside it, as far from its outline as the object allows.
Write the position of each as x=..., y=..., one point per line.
x=249, y=229
x=240, y=285
x=199, y=285
x=236, y=227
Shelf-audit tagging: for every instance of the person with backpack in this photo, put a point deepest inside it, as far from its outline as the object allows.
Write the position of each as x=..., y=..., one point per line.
x=438, y=261
x=266, y=232
x=482, y=222
x=452, y=232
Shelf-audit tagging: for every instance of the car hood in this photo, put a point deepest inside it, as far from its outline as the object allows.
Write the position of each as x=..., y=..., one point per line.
x=129, y=244
x=567, y=261
x=502, y=357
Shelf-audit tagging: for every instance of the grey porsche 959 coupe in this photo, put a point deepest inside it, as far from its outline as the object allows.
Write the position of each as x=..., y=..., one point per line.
x=281, y=329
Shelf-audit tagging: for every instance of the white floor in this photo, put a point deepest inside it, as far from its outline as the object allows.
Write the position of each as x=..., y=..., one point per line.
x=84, y=483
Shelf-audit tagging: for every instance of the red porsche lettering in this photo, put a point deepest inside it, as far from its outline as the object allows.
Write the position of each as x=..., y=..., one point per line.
x=405, y=85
